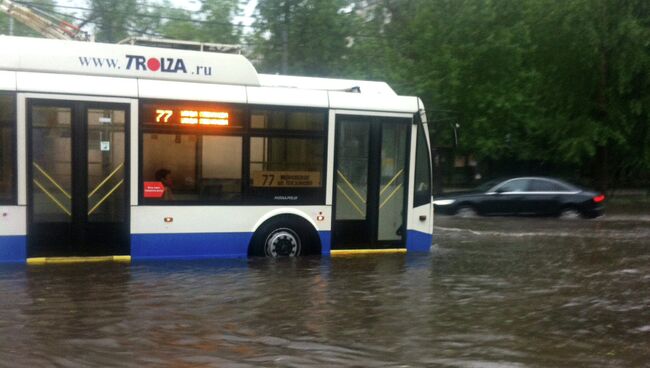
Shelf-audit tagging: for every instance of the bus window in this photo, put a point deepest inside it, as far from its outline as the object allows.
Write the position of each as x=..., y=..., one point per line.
x=201, y=167
x=286, y=162
x=221, y=168
x=287, y=120
x=7, y=150
x=287, y=155
x=192, y=143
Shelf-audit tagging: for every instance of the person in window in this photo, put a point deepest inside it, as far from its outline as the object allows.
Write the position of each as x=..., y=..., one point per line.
x=165, y=177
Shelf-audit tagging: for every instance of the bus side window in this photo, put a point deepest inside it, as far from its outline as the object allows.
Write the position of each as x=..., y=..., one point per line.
x=287, y=155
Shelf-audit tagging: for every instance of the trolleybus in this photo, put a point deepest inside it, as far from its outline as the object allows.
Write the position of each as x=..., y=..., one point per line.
x=152, y=153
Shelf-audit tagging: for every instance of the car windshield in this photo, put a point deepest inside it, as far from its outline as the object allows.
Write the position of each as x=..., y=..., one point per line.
x=487, y=185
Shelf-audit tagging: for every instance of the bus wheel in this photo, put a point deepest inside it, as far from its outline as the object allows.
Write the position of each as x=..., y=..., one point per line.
x=283, y=236
x=282, y=242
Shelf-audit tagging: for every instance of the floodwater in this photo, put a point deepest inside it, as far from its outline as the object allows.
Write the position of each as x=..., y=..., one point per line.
x=492, y=293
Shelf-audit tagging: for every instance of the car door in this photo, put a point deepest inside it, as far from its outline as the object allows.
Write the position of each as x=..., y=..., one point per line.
x=505, y=198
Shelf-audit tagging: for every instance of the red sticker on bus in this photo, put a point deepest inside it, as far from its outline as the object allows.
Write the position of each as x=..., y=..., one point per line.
x=153, y=189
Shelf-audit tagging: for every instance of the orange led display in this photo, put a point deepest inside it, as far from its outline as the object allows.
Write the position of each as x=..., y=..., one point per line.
x=192, y=117
x=213, y=121
x=163, y=116
x=213, y=114
x=213, y=118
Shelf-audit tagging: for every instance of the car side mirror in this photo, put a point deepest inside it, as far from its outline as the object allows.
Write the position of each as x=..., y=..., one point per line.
x=499, y=190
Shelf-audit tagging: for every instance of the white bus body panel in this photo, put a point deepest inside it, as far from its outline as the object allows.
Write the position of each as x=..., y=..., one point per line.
x=90, y=58
x=191, y=91
x=13, y=220
x=325, y=84
x=7, y=81
x=287, y=97
x=217, y=219
x=331, y=144
x=134, y=152
x=76, y=84
x=359, y=101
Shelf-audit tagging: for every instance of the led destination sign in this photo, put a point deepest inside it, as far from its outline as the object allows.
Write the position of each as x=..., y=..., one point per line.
x=193, y=117
x=184, y=115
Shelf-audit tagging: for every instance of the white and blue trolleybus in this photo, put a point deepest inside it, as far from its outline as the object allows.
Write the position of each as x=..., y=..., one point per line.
x=158, y=153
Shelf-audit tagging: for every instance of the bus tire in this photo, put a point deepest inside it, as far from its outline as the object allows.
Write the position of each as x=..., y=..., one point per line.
x=284, y=236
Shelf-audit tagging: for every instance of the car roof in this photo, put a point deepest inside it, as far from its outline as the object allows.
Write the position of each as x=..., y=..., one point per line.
x=557, y=180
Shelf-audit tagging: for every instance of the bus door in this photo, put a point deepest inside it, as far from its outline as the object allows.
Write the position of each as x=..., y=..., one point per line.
x=77, y=179
x=370, y=182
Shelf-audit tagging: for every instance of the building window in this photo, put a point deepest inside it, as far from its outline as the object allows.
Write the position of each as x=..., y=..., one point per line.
x=7, y=149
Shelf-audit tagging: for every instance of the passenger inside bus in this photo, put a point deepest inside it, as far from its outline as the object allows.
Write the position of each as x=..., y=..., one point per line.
x=165, y=177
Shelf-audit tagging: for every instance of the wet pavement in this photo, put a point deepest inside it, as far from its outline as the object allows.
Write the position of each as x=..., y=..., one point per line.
x=493, y=293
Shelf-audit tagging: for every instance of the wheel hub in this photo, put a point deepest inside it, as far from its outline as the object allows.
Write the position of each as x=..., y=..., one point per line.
x=282, y=243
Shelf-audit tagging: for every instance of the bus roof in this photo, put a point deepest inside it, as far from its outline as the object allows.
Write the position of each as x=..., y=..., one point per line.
x=130, y=61
x=89, y=58
x=326, y=84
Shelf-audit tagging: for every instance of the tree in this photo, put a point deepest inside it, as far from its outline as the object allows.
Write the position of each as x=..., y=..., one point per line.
x=212, y=23
x=308, y=37
x=594, y=82
x=218, y=25
x=557, y=85
x=114, y=19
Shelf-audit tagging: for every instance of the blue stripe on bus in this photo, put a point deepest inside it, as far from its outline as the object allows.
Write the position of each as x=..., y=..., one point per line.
x=325, y=242
x=197, y=246
x=13, y=249
x=189, y=246
x=417, y=241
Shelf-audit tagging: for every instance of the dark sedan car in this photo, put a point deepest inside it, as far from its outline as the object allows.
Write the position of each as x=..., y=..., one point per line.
x=529, y=196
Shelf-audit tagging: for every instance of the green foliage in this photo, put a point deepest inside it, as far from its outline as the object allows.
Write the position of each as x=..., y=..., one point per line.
x=561, y=83
x=218, y=26
x=303, y=37
x=114, y=19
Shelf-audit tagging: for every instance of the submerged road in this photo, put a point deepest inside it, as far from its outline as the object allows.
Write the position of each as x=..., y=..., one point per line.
x=493, y=293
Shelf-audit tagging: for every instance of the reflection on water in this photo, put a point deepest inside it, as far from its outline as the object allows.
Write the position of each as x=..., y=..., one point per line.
x=492, y=293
